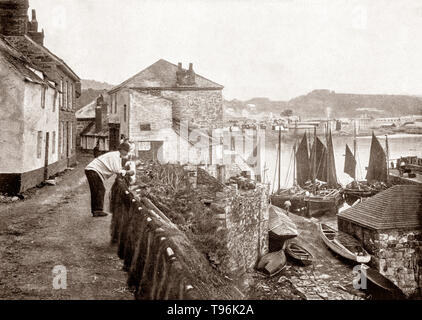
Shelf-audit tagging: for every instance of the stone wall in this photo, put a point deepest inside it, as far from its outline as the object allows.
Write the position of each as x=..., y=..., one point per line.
x=201, y=108
x=148, y=109
x=161, y=262
x=245, y=216
x=397, y=254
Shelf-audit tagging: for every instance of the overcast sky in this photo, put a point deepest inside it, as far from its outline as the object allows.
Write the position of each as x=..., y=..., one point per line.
x=278, y=49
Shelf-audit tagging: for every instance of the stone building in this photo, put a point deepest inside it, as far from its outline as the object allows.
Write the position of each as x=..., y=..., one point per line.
x=390, y=227
x=150, y=107
x=39, y=129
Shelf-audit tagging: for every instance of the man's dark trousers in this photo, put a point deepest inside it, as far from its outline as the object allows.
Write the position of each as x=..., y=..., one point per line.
x=97, y=189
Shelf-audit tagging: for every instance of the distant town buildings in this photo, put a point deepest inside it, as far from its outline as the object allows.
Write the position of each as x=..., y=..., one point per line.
x=38, y=103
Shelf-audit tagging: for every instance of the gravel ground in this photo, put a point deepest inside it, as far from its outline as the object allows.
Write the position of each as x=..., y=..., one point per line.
x=54, y=227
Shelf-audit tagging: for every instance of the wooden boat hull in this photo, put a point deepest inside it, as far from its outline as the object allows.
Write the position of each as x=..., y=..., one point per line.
x=280, y=226
x=383, y=283
x=272, y=263
x=298, y=202
x=342, y=244
x=299, y=254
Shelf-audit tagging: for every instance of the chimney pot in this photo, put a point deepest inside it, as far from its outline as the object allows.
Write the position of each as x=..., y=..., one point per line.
x=190, y=66
x=179, y=66
x=34, y=15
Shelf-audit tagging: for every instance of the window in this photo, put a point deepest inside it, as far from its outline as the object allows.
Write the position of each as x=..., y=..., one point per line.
x=124, y=112
x=72, y=97
x=145, y=127
x=39, y=144
x=61, y=93
x=115, y=103
x=54, y=100
x=66, y=94
x=43, y=89
x=53, y=143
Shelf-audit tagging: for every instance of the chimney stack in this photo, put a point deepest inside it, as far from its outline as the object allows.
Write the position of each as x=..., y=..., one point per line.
x=38, y=37
x=101, y=114
x=185, y=77
x=33, y=25
x=13, y=17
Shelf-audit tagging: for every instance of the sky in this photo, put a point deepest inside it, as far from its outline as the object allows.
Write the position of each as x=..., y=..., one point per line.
x=267, y=48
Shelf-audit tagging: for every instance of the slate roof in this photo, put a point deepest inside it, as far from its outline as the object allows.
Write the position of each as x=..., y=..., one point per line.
x=87, y=112
x=399, y=207
x=40, y=56
x=21, y=64
x=90, y=131
x=162, y=75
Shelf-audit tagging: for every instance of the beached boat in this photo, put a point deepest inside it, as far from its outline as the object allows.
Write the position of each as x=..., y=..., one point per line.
x=299, y=254
x=272, y=263
x=343, y=244
x=383, y=283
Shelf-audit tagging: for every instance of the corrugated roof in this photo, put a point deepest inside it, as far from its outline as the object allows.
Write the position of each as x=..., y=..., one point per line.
x=399, y=207
x=162, y=74
x=87, y=112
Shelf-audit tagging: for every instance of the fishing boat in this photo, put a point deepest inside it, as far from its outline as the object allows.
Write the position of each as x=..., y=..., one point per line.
x=315, y=188
x=272, y=263
x=343, y=244
x=299, y=254
x=383, y=283
x=377, y=174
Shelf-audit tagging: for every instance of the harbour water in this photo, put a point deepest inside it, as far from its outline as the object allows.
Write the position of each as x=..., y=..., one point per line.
x=399, y=145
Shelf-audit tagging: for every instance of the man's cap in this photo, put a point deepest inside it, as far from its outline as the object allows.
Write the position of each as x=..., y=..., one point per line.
x=124, y=146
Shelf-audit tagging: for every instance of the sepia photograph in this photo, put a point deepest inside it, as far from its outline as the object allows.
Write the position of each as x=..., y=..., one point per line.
x=192, y=151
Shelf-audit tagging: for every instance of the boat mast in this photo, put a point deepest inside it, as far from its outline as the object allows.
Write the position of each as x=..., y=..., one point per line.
x=387, y=156
x=314, y=158
x=294, y=164
x=354, y=147
x=279, y=159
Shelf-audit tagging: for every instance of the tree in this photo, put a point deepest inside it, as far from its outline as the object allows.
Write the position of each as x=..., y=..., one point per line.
x=287, y=113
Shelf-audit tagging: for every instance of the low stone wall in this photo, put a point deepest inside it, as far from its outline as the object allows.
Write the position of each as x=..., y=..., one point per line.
x=161, y=262
x=397, y=254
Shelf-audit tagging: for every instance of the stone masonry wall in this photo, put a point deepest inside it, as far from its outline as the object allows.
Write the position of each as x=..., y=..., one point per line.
x=246, y=221
x=397, y=254
x=200, y=108
x=161, y=262
x=149, y=109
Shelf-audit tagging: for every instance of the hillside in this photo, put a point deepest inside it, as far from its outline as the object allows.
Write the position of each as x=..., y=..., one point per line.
x=91, y=89
x=323, y=103
x=96, y=85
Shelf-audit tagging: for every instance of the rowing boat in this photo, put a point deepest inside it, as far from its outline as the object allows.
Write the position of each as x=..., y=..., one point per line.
x=299, y=254
x=272, y=263
x=343, y=244
x=382, y=282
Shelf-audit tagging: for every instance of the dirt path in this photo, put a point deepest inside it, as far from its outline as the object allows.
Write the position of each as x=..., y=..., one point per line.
x=54, y=227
